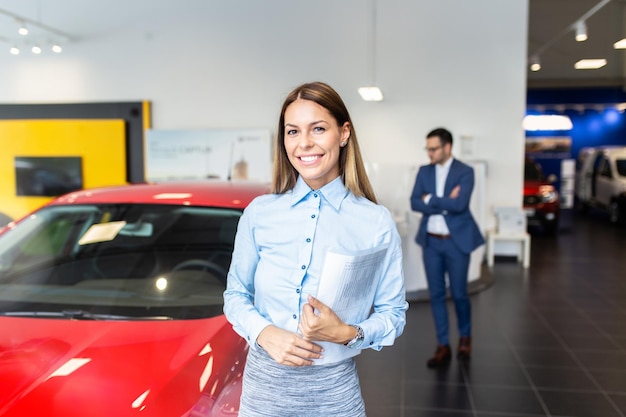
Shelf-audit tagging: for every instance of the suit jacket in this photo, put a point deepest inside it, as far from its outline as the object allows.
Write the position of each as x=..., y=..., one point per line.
x=464, y=231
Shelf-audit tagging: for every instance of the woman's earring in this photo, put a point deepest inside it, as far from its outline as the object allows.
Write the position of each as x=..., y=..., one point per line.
x=343, y=144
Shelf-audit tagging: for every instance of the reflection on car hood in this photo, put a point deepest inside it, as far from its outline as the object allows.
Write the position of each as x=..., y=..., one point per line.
x=532, y=187
x=110, y=368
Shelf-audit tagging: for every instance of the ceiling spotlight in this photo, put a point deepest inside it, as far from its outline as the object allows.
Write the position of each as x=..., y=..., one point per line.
x=535, y=64
x=581, y=31
x=621, y=44
x=371, y=93
x=590, y=64
x=44, y=36
x=23, y=30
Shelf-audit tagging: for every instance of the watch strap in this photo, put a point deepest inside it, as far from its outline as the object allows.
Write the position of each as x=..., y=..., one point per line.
x=358, y=339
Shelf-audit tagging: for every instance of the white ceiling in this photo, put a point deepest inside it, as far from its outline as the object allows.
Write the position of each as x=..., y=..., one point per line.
x=549, y=33
x=81, y=20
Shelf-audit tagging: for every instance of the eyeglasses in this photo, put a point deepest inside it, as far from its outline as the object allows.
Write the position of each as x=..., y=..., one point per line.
x=433, y=149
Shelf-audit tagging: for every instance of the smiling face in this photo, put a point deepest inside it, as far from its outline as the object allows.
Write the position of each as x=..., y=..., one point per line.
x=313, y=142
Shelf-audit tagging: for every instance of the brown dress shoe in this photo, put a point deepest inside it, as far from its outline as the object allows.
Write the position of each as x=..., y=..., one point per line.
x=442, y=357
x=465, y=348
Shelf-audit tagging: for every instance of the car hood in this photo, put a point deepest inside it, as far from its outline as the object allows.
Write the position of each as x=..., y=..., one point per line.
x=532, y=187
x=113, y=368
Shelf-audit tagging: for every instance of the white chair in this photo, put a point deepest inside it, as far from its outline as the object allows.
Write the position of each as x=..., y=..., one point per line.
x=511, y=226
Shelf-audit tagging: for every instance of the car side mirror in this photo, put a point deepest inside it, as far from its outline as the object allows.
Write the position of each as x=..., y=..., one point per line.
x=551, y=178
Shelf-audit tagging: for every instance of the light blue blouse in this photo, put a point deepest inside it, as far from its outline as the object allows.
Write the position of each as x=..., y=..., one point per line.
x=279, y=252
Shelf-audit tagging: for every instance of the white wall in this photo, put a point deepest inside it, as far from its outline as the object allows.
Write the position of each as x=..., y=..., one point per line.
x=218, y=63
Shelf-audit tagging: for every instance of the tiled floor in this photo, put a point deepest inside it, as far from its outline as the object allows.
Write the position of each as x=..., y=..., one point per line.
x=547, y=341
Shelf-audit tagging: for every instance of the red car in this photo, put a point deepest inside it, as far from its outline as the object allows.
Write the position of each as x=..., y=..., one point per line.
x=541, y=199
x=111, y=304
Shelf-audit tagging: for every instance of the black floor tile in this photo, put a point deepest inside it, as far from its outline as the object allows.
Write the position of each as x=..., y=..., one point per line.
x=533, y=338
x=438, y=396
x=573, y=328
x=506, y=400
x=584, y=342
x=565, y=379
x=494, y=356
x=620, y=401
x=613, y=360
x=614, y=328
x=419, y=412
x=548, y=358
x=548, y=341
x=450, y=375
x=490, y=414
x=381, y=411
x=508, y=375
x=609, y=380
x=579, y=404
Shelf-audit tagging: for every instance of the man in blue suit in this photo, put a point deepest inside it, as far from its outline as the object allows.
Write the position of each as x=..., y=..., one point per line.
x=447, y=234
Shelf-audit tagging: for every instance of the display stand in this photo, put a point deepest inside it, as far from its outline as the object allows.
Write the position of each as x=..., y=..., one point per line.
x=522, y=238
x=511, y=227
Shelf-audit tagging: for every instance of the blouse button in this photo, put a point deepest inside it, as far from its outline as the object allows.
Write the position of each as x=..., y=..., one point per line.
x=298, y=291
x=303, y=267
x=294, y=317
x=315, y=195
x=312, y=216
x=308, y=240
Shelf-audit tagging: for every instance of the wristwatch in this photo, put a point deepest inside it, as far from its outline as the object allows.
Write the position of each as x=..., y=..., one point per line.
x=358, y=339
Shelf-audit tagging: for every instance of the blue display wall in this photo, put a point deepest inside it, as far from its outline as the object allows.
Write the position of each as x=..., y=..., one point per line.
x=597, y=115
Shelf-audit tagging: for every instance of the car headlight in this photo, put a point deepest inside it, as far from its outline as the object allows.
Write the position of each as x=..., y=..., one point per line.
x=548, y=194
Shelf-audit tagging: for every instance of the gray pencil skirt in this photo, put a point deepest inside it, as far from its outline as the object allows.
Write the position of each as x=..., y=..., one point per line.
x=274, y=390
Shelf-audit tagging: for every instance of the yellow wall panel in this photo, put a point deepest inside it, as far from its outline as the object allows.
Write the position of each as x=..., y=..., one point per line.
x=100, y=143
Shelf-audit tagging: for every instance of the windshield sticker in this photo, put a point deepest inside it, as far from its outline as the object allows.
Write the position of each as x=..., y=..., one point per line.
x=102, y=232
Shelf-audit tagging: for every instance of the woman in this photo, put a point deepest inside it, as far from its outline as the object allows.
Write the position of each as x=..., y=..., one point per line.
x=322, y=213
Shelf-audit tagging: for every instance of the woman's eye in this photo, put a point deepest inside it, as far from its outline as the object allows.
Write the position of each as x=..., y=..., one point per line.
x=319, y=129
x=291, y=132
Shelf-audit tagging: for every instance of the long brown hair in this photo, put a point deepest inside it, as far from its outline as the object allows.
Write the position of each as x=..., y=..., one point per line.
x=351, y=167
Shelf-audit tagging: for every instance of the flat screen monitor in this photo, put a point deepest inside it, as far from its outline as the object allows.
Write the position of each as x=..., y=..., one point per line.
x=48, y=176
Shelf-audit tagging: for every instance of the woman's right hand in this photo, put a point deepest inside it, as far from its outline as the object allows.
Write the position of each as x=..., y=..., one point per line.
x=288, y=348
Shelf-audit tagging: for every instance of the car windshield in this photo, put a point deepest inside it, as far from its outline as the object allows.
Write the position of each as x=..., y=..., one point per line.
x=621, y=167
x=130, y=261
x=533, y=172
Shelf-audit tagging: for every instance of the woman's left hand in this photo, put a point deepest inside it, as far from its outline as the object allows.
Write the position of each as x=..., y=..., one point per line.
x=319, y=322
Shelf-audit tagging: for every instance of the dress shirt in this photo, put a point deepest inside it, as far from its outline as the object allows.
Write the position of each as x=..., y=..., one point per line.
x=436, y=222
x=279, y=252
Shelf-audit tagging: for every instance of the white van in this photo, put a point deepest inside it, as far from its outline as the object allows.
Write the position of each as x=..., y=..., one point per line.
x=601, y=180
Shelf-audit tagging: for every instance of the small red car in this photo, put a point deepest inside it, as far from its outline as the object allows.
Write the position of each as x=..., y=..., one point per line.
x=111, y=303
x=541, y=199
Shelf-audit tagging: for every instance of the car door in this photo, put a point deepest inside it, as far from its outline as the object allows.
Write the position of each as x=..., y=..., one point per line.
x=604, y=182
x=584, y=175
